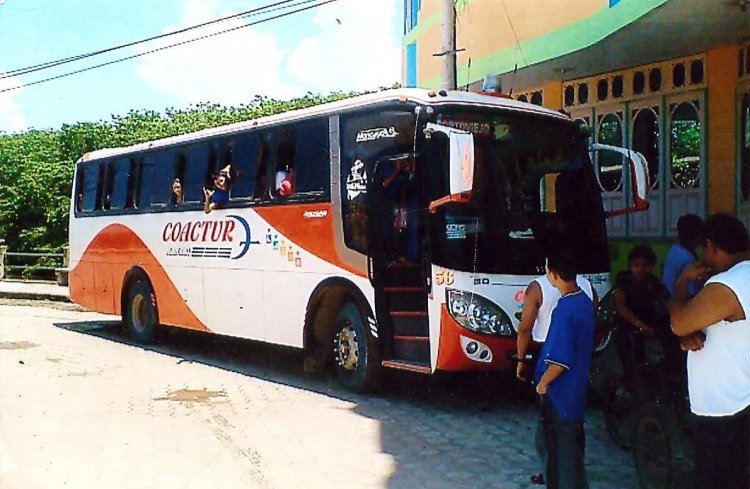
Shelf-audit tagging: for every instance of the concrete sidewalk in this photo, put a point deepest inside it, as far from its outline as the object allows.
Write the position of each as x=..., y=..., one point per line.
x=20, y=289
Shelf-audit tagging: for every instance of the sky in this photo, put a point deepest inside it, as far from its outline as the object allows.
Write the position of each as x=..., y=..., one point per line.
x=348, y=45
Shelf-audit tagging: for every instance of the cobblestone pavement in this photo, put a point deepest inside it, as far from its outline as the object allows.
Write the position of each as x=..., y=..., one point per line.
x=81, y=406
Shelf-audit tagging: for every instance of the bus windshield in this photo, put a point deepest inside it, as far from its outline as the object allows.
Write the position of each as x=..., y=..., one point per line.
x=534, y=189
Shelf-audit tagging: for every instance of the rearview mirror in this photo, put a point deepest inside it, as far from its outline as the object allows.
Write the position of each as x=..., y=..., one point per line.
x=461, y=164
x=639, y=183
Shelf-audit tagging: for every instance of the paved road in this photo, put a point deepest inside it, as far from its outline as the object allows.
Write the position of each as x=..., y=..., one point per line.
x=83, y=407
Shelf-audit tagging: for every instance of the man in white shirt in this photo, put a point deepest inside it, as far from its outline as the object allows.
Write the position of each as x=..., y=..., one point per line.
x=715, y=327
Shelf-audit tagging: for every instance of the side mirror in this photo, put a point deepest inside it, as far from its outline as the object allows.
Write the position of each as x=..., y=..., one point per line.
x=461, y=164
x=639, y=183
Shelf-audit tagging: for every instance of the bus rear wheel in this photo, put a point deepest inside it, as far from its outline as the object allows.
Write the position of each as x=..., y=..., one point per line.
x=141, y=316
x=355, y=351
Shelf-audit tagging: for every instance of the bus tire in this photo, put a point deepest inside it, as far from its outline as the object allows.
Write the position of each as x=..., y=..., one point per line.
x=141, y=317
x=355, y=351
x=659, y=450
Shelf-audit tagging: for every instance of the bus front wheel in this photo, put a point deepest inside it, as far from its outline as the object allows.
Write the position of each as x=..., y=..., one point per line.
x=355, y=351
x=141, y=315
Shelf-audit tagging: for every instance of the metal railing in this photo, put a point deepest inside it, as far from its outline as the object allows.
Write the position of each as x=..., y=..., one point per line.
x=31, y=265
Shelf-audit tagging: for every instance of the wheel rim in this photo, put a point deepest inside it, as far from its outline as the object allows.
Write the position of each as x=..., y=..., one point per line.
x=653, y=454
x=138, y=313
x=347, y=348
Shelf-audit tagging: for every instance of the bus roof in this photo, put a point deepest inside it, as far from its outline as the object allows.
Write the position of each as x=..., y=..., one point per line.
x=403, y=95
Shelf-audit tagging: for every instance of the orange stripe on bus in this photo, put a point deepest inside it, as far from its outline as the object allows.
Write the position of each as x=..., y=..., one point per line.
x=96, y=281
x=309, y=226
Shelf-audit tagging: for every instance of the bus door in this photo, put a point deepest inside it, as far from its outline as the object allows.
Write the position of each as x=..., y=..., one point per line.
x=398, y=264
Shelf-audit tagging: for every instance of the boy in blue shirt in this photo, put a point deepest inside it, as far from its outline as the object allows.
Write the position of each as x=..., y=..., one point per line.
x=562, y=378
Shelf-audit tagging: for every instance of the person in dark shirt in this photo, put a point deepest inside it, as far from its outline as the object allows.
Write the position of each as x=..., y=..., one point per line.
x=641, y=304
x=562, y=378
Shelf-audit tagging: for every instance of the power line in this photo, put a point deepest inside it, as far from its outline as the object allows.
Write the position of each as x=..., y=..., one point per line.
x=249, y=13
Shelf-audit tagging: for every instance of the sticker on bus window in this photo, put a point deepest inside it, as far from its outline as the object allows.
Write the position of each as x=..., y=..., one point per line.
x=356, y=182
x=455, y=231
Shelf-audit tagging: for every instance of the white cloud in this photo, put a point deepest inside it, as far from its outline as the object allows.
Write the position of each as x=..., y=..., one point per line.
x=229, y=68
x=355, y=48
x=11, y=119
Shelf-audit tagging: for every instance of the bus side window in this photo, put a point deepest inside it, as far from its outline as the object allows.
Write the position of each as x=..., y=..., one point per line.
x=161, y=187
x=196, y=169
x=90, y=187
x=248, y=153
x=178, y=180
x=312, y=159
x=119, y=176
x=143, y=184
x=108, y=184
x=261, y=175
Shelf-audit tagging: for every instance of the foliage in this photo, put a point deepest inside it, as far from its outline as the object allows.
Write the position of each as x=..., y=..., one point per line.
x=36, y=167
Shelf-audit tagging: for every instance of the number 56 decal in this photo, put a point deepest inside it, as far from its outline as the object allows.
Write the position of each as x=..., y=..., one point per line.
x=444, y=277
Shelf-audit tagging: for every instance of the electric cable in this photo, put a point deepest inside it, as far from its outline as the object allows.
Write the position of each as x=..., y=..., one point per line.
x=249, y=13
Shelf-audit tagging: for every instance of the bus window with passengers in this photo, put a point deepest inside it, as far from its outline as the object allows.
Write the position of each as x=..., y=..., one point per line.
x=410, y=228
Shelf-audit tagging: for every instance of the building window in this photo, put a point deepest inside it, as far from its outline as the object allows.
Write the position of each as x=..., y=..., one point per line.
x=570, y=95
x=678, y=75
x=411, y=65
x=411, y=14
x=745, y=148
x=654, y=80
x=609, y=168
x=617, y=86
x=646, y=141
x=583, y=93
x=602, y=89
x=685, y=147
x=696, y=72
x=639, y=82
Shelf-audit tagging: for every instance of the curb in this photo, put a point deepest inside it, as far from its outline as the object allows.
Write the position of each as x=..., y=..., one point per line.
x=34, y=296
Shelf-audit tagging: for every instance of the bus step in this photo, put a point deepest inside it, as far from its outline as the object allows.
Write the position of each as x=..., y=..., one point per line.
x=407, y=301
x=403, y=277
x=411, y=348
x=419, y=367
x=410, y=326
x=415, y=289
x=408, y=314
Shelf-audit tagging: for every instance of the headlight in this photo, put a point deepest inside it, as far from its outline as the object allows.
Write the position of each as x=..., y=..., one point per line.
x=478, y=314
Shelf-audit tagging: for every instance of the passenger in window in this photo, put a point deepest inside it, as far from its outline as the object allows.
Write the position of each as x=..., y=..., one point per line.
x=219, y=195
x=285, y=181
x=178, y=193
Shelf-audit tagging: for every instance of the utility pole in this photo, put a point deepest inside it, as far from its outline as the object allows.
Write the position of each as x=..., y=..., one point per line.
x=448, y=44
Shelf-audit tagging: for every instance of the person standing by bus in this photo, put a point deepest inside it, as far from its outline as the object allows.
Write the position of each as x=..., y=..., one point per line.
x=682, y=253
x=562, y=379
x=539, y=301
x=715, y=327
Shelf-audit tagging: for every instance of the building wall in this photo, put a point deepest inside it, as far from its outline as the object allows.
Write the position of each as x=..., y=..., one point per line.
x=701, y=94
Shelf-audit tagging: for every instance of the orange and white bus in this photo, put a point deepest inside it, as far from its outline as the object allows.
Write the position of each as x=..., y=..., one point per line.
x=413, y=223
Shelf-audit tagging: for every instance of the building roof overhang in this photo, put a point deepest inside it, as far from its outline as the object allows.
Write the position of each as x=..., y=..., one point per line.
x=674, y=29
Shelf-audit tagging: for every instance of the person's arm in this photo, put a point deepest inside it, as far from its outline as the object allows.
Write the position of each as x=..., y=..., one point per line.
x=208, y=206
x=629, y=316
x=715, y=302
x=532, y=301
x=553, y=372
